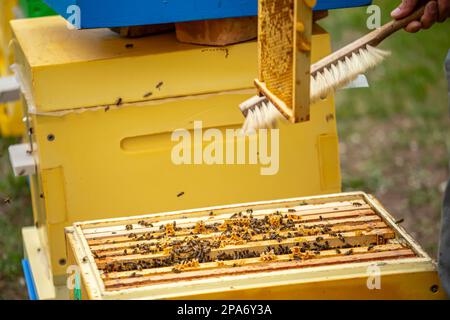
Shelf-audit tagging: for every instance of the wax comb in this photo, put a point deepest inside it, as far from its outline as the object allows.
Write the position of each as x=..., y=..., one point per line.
x=284, y=47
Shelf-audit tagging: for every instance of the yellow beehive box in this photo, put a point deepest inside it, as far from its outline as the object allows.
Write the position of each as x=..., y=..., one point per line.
x=132, y=70
x=6, y=14
x=341, y=246
x=102, y=111
x=10, y=113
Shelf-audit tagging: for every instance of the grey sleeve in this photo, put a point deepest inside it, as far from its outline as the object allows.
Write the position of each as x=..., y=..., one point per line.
x=447, y=69
x=444, y=245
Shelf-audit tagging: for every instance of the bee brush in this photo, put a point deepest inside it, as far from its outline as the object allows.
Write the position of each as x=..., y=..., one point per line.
x=332, y=72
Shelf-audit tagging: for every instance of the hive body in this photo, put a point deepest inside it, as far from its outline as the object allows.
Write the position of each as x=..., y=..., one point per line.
x=107, y=152
x=11, y=112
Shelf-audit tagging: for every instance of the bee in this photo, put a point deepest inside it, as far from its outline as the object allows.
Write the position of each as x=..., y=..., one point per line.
x=119, y=102
x=370, y=247
x=318, y=239
x=211, y=213
x=338, y=251
x=85, y=259
x=129, y=46
x=107, y=108
x=349, y=252
x=321, y=218
x=129, y=227
x=357, y=204
x=148, y=94
x=159, y=85
x=7, y=200
x=180, y=194
x=292, y=210
x=329, y=117
x=399, y=221
x=249, y=210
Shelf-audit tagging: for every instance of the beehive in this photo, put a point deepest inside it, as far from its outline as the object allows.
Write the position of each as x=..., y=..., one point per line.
x=10, y=113
x=284, y=46
x=97, y=158
x=318, y=247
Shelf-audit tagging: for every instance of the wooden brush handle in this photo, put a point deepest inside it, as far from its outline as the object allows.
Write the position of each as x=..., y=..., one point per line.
x=393, y=26
x=373, y=39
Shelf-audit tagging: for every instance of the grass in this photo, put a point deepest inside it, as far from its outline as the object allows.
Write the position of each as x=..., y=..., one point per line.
x=15, y=212
x=394, y=139
x=394, y=135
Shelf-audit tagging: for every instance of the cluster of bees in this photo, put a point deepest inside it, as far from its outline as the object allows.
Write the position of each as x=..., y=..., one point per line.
x=189, y=246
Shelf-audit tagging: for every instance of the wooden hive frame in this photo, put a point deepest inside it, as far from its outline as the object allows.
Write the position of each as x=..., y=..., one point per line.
x=284, y=55
x=360, y=232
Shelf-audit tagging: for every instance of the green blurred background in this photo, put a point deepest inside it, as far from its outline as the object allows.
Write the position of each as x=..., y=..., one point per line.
x=395, y=139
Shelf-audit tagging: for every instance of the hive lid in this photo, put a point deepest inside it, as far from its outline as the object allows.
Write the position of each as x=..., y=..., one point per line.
x=67, y=69
x=106, y=13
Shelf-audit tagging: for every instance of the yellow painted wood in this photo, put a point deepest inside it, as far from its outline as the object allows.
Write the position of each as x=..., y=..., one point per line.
x=10, y=113
x=68, y=69
x=416, y=285
x=55, y=196
x=34, y=251
x=6, y=14
x=329, y=178
x=302, y=60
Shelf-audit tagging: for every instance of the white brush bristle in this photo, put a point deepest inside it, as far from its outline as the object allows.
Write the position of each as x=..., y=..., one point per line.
x=344, y=72
x=262, y=114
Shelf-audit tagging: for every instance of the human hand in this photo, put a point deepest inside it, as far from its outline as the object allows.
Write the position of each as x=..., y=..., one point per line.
x=435, y=11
